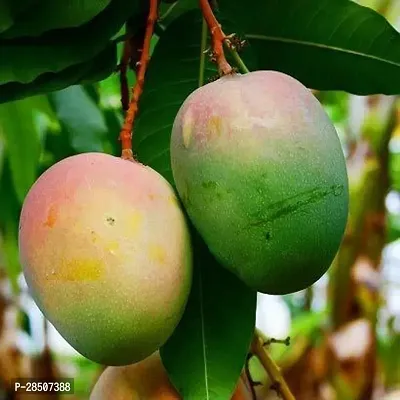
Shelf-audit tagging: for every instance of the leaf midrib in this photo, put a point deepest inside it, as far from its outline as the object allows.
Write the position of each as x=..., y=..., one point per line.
x=321, y=46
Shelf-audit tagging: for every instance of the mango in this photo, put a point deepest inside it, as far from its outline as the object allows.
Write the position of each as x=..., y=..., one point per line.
x=106, y=253
x=144, y=380
x=262, y=175
x=147, y=380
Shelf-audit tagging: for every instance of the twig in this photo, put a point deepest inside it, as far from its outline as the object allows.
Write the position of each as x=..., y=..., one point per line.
x=218, y=38
x=278, y=382
x=286, y=341
x=126, y=131
x=249, y=379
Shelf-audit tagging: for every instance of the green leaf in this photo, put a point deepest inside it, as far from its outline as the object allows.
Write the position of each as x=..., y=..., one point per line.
x=206, y=353
x=23, y=140
x=327, y=45
x=9, y=217
x=93, y=70
x=81, y=117
x=393, y=222
x=24, y=59
x=50, y=14
x=2, y=152
x=169, y=12
x=6, y=18
x=10, y=9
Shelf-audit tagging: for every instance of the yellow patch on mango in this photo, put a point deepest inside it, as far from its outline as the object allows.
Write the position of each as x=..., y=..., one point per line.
x=172, y=200
x=51, y=217
x=157, y=253
x=216, y=127
x=187, y=129
x=135, y=221
x=112, y=246
x=79, y=270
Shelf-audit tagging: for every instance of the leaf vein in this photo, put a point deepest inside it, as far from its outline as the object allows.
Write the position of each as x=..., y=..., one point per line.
x=322, y=46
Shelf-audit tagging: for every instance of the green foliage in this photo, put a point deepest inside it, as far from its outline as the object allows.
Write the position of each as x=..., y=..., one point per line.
x=10, y=10
x=206, y=353
x=327, y=45
x=99, y=67
x=51, y=14
x=9, y=215
x=22, y=139
x=169, y=12
x=81, y=118
x=41, y=60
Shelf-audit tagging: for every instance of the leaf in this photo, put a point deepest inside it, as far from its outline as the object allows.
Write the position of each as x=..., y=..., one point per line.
x=10, y=9
x=2, y=153
x=9, y=217
x=23, y=140
x=206, y=353
x=93, y=70
x=81, y=117
x=24, y=59
x=327, y=45
x=169, y=12
x=49, y=14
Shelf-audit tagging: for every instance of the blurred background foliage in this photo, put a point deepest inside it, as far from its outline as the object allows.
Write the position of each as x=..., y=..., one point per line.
x=344, y=330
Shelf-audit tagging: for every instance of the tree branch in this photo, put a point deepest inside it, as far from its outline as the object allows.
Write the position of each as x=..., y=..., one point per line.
x=126, y=131
x=278, y=382
x=218, y=38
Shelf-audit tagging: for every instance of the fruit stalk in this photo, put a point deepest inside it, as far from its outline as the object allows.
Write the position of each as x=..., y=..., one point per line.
x=218, y=38
x=126, y=131
x=278, y=382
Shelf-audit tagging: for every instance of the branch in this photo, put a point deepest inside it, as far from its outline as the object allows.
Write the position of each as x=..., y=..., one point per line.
x=123, y=69
x=249, y=379
x=278, y=382
x=126, y=131
x=218, y=38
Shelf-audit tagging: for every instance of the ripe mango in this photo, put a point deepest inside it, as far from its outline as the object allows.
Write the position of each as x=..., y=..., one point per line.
x=147, y=380
x=106, y=253
x=261, y=172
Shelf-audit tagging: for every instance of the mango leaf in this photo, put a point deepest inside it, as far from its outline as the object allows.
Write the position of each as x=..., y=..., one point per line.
x=10, y=9
x=206, y=353
x=169, y=12
x=93, y=70
x=2, y=152
x=23, y=140
x=327, y=45
x=9, y=217
x=81, y=117
x=24, y=59
x=49, y=14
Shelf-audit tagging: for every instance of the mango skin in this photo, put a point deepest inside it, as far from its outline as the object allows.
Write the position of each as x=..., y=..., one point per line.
x=144, y=380
x=106, y=253
x=261, y=172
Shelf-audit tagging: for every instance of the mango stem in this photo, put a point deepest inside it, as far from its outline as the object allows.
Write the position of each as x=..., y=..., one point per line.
x=126, y=132
x=218, y=38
